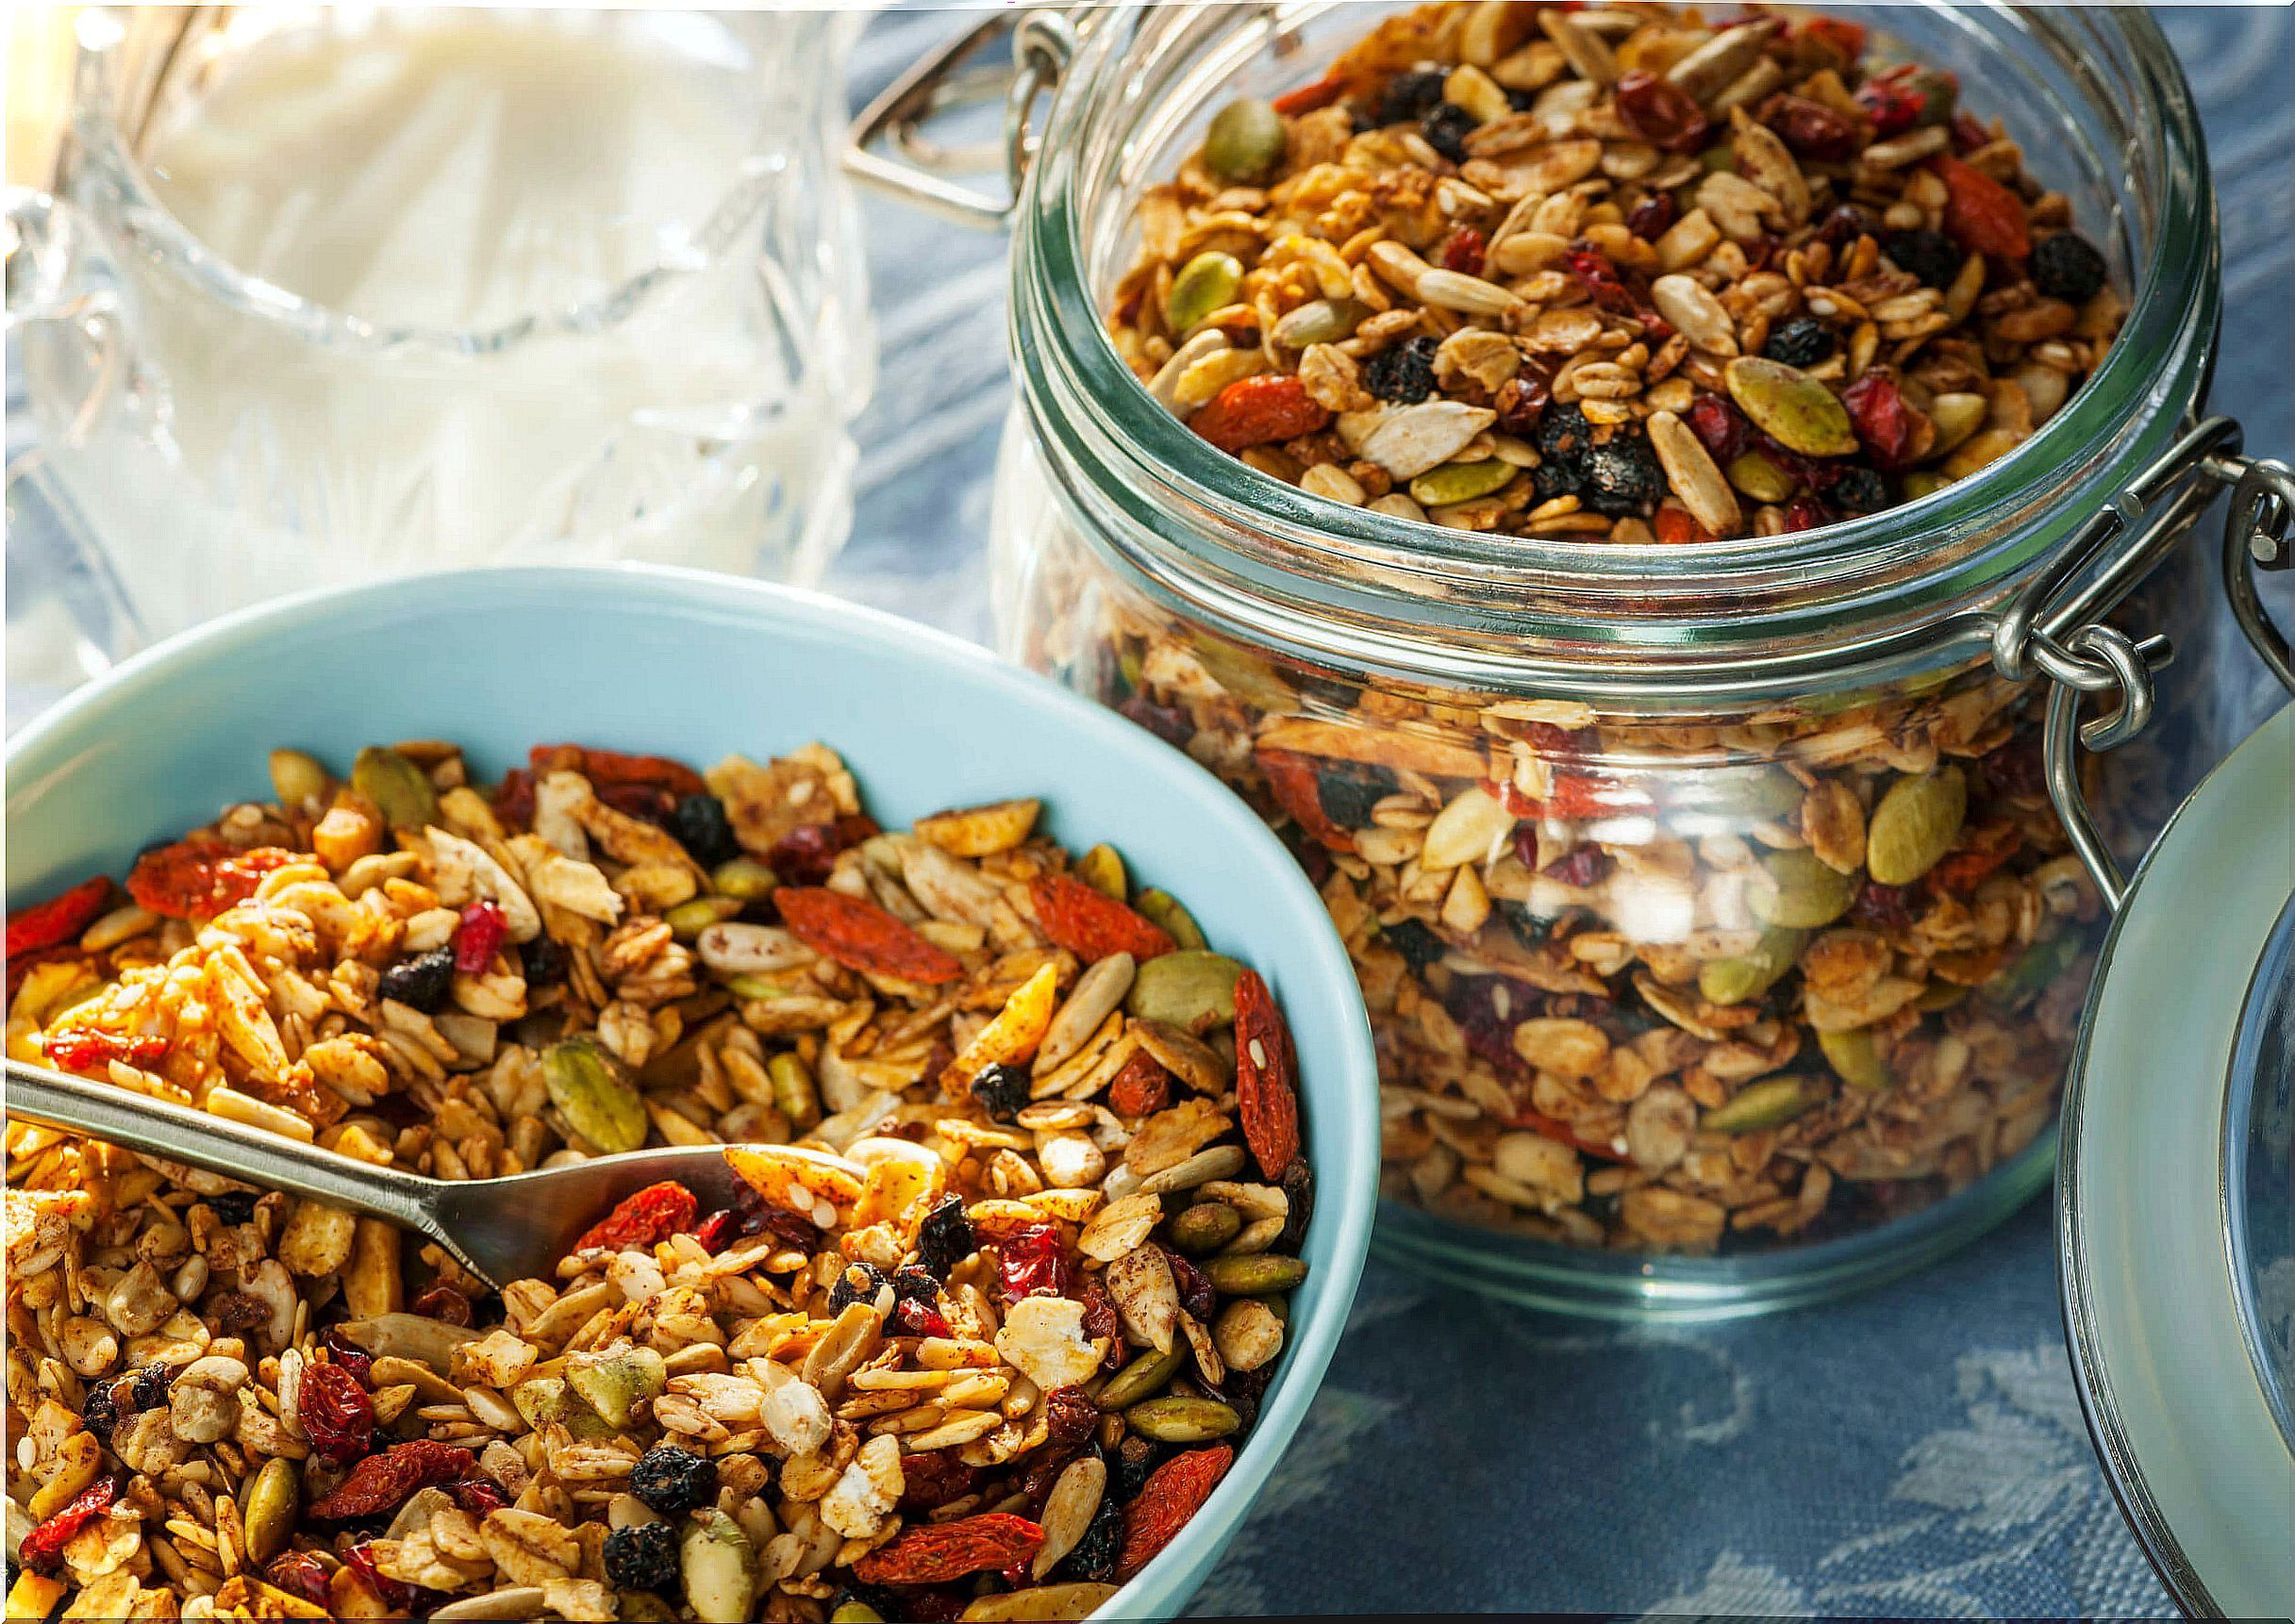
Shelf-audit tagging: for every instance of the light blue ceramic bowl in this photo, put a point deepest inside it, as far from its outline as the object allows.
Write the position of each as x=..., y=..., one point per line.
x=695, y=666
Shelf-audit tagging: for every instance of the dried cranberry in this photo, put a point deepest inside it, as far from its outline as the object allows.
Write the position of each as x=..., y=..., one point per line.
x=1719, y=427
x=715, y=1233
x=1069, y=1418
x=1473, y=1001
x=1463, y=251
x=1195, y=1293
x=1581, y=866
x=2015, y=769
x=919, y=1318
x=1599, y=278
x=1881, y=907
x=647, y=803
x=338, y=1417
x=480, y=936
x=1299, y=1187
x=1967, y=135
x=1165, y=722
x=1659, y=111
x=1883, y=423
x=1034, y=1258
x=1520, y=403
x=808, y=854
x=1813, y=130
x=1100, y=1315
x=930, y=1480
x=299, y=1573
x=405, y=1600
x=444, y=1304
x=1844, y=223
x=1653, y=216
x=1805, y=512
x=478, y=1496
x=349, y=1354
x=1893, y=102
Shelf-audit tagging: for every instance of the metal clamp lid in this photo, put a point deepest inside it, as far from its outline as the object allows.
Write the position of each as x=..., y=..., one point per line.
x=1043, y=42
x=2063, y=637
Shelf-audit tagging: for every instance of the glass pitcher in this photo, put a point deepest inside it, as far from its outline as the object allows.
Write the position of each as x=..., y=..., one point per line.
x=317, y=293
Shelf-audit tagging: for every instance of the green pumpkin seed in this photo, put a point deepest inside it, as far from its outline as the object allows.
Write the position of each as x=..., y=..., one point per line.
x=1175, y=1419
x=1162, y=908
x=1938, y=995
x=401, y=791
x=1808, y=895
x=546, y=1401
x=598, y=1102
x=1461, y=481
x=1065, y=1604
x=1915, y=825
x=1204, y=1227
x=1191, y=990
x=613, y=1383
x=1101, y=869
x=1762, y=1104
x=2035, y=968
x=721, y=1583
x=1759, y=478
x=268, y=1511
x=1320, y=322
x=1205, y=284
x=856, y=1612
x=688, y=919
x=1855, y=1058
x=1245, y=141
x=638, y=1607
x=298, y=778
x=1750, y=975
x=1940, y=94
x=1254, y=1274
x=1923, y=482
x=1142, y=1378
x=1793, y=407
x=794, y=1094
x=752, y=986
x=744, y=879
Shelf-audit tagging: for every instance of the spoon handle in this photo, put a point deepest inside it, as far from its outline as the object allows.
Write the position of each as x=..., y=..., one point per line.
x=177, y=1133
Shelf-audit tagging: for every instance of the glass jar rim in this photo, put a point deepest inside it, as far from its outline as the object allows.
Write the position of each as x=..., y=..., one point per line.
x=161, y=233
x=1871, y=593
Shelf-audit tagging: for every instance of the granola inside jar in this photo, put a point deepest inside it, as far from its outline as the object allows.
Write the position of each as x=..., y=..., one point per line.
x=1689, y=837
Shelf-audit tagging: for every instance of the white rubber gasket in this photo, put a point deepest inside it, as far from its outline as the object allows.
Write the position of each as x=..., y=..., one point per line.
x=2173, y=1401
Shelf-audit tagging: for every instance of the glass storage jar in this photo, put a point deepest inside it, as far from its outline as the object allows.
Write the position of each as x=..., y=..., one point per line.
x=1723, y=945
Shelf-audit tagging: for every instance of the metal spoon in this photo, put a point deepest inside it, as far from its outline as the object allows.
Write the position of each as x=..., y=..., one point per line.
x=501, y=1229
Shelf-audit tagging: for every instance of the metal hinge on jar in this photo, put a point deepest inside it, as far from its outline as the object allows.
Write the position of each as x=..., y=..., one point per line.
x=2053, y=633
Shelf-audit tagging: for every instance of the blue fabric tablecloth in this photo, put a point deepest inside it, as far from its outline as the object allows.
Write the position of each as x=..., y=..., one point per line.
x=1915, y=1451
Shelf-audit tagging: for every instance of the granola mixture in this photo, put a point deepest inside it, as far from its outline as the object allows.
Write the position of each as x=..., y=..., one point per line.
x=1613, y=272
x=1028, y=1196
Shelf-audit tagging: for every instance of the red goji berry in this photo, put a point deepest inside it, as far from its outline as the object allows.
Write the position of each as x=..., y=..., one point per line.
x=1892, y=101
x=42, y=1551
x=338, y=1416
x=1258, y=411
x=1308, y=98
x=606, y=767
x=82, y=1048
x=199, y=878
x=480, y=936
x=382, y=1483
x=863, y=937
x=1659, y=111
x=1883, y=421
x=1980, y=214
x=1677, y=527
x=940, y=1553
x=1173, y=1493
x=654, y=1214
x=1093, y=925
x=1296, y=785
x=1034, y=1258
x=58, y=919
x=1266, y=1076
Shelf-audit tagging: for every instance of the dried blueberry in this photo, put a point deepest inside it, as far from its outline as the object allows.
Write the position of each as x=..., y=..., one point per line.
x=421, y=982
x=2066, y=266
x=544, y=961
x=1299, y=1190
x=1927, y=254
x=1096, y=1555
x=1403, y=374
x=1563, y=434
x=1446, y=127
x=913, y=1283
x=100, y=1414
x=1348, y=793
x=673, y=1481
x=1803, y=342
x=232, y=1206
x=1530, y=929
x=149, y=1389
x=1002, y=1090
x=1417, y=943
x=1409, y=97
x=859, y=1283
x=1622, y=475
x=945, y=1237
x=1858, y=491
x=702, y=827
x=643, y=1556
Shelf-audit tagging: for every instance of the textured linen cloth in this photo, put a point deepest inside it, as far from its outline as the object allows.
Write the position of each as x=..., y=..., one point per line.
x=1918, y=1450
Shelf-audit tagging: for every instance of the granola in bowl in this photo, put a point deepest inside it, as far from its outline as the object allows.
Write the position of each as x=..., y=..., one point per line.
x=1613, y=272
x=1029, y=1195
